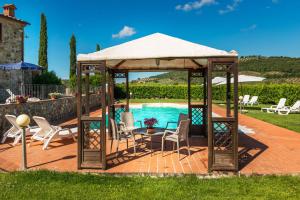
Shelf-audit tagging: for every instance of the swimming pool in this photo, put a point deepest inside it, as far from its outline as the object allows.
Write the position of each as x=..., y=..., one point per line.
x=162, y=112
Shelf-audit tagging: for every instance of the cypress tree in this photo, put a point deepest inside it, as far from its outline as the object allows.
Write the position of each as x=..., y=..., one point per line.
x=43, y=48
x=72, y=56
x=98, y=47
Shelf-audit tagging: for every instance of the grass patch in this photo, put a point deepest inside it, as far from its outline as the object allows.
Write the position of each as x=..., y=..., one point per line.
x=291, y=121
x=54, y=185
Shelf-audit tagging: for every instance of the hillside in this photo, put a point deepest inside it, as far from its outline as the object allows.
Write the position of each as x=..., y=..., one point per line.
x=275, y=69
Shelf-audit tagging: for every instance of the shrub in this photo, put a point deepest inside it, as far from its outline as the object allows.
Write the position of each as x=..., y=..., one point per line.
x=268, y=93
x=46, y=77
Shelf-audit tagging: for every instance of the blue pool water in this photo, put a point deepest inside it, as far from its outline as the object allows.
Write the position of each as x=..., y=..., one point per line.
x=163, y=114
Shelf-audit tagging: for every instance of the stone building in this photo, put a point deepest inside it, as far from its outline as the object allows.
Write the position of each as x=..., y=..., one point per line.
x=11, y=36
x=11, y=50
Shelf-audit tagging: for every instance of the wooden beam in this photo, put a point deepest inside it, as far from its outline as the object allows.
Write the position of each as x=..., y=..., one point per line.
x=119, y=64
x=79, y=114
x=87, y=94
x=209, y=115
x=199, y=65
x=127, y=93
x=236, y=117
x=205, y=87
x=228, y=94
x=189, y=98
x=103, y=121
x=109, y=102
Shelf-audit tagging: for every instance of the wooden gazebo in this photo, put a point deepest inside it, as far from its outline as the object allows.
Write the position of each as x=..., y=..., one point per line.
x=159, y=52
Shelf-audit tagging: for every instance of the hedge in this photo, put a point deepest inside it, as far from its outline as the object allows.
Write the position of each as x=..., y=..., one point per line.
x=267, y=93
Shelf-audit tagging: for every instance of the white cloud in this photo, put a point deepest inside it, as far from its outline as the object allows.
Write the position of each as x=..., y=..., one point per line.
x=230, y=7
x=195, y=5
x=250, y=28
x=125, y=32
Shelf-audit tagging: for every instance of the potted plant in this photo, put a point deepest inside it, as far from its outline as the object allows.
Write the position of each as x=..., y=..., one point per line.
x=55, y=95
x=149, y=123
x=21, y=99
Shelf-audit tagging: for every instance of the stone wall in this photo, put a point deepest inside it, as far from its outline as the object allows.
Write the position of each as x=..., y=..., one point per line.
x=54, y=111
x=11, y=44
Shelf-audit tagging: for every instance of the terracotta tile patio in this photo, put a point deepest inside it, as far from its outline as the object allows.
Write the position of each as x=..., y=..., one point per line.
x=269, y=150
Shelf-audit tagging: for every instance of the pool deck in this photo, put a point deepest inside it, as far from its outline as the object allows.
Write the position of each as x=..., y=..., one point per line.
x=270, y=150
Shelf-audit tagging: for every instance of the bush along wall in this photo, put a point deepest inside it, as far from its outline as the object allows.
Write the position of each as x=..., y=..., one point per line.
x=267, y=93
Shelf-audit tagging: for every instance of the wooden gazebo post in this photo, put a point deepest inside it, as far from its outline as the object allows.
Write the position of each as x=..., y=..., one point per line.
x=223, y=131
x=91, y=130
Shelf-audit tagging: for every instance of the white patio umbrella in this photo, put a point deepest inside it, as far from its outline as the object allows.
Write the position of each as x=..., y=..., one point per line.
x=244, y=79
x=218, y=80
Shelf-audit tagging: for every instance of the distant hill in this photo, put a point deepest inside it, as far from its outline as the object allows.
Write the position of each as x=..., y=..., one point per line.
x=275, y=69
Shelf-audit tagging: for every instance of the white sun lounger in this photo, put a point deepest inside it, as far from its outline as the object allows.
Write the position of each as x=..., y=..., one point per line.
x=253, y=101
x=245, y=100
x=48, y=132
x=11, y=96
x=275, y=108
x=290, y=109
x=15, y=130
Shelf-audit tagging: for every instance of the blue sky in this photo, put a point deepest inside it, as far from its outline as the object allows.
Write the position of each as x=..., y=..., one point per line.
x=265, y=27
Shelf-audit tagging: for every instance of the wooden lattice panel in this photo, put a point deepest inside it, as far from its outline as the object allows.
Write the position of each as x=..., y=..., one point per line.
x=119, y=75
x=96, y=68
x=223, y=135
x=118, y=112
x=223, y=145
x=197, y=116
x=91, y=135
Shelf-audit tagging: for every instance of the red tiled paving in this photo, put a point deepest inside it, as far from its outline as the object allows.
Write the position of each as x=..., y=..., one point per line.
x=269, y=150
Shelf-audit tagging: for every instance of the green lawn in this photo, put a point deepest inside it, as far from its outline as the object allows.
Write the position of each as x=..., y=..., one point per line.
x=291, y=121
x=52, y=185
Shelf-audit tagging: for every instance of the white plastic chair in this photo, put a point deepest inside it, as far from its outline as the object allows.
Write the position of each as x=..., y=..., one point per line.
x=48, y=132
x=253, y=101
x=275, y=108
x=180, y=135
x=290, y=109
x=127, y=121
x=181, y=117
x=11, y=96
x=119, y=135
x=15, y=130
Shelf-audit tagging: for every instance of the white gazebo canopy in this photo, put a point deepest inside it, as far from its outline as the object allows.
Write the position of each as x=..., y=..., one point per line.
x=156, y=51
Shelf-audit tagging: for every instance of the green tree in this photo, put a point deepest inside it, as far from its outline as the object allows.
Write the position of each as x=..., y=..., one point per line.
x=43, y=48
x=98, y=47
x=72, y=56
x=47, y=78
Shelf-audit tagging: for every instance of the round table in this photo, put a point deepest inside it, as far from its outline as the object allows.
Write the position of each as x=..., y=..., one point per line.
x=156, y=132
